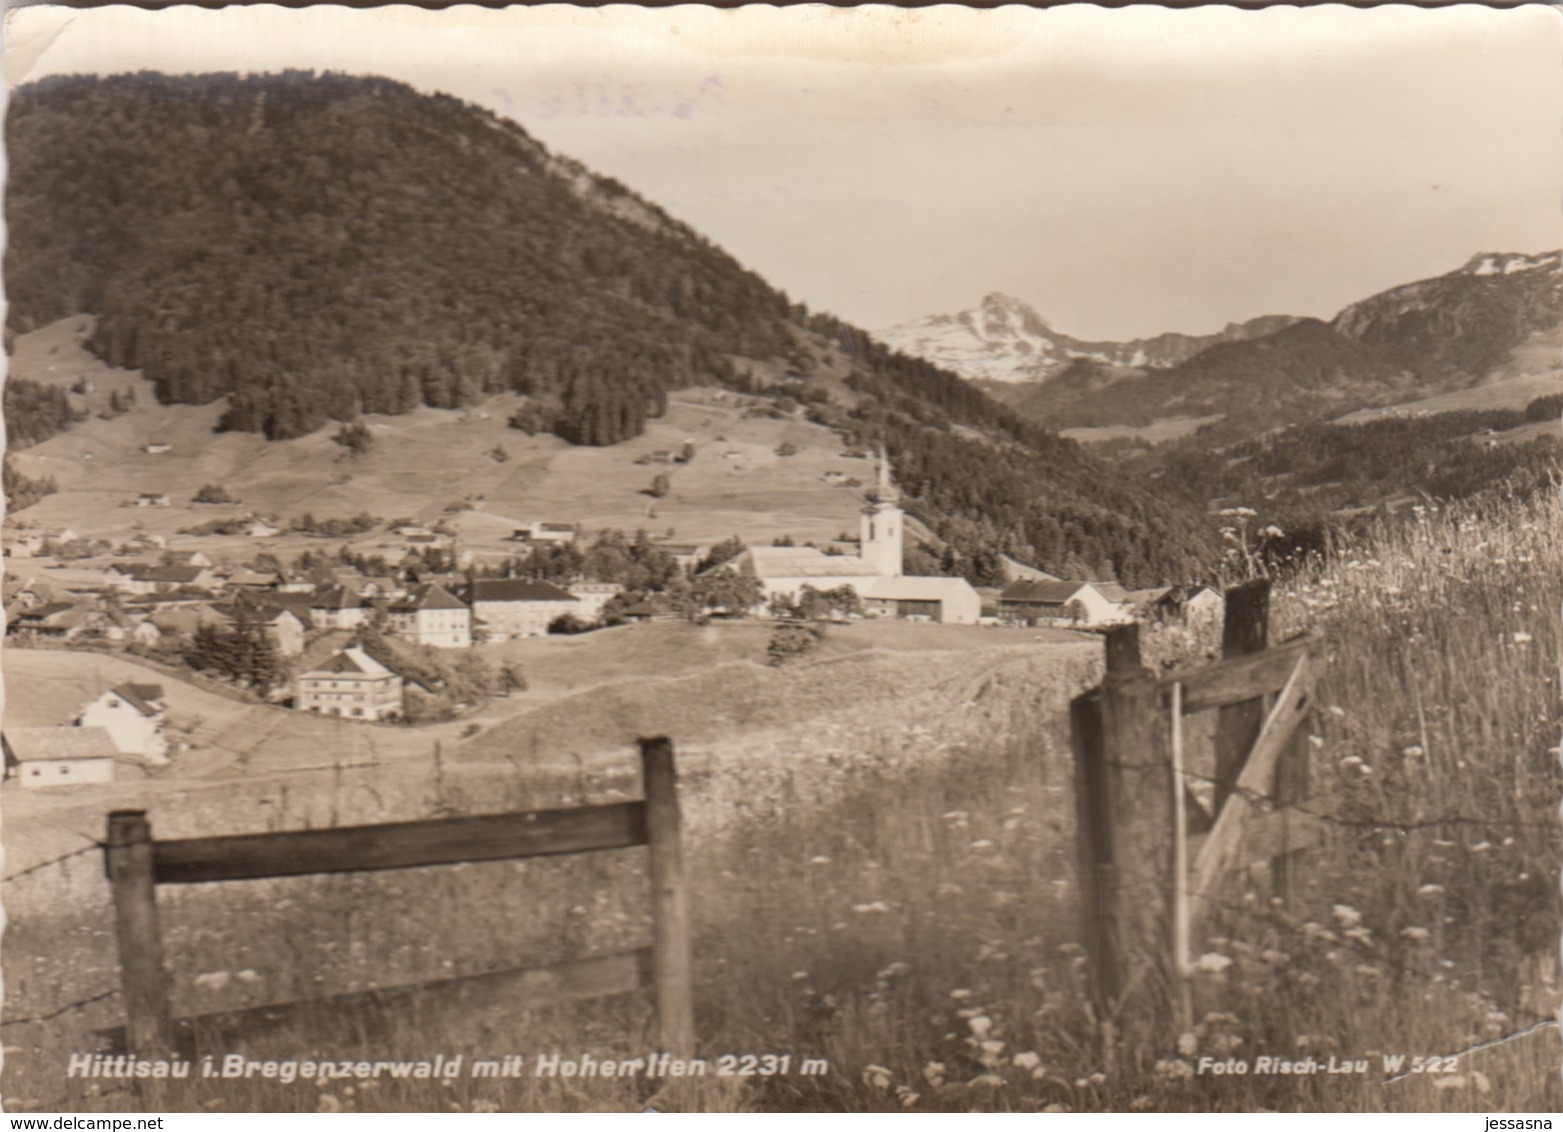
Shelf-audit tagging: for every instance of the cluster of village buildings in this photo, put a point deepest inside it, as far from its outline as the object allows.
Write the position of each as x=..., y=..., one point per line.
x=152, y=603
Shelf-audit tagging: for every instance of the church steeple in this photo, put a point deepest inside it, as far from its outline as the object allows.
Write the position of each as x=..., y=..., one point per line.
x=881, y=524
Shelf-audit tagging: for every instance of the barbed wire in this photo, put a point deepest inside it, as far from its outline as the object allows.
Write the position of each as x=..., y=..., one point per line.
x=62, y=1010
x=93, y=848
x=1479, y=1046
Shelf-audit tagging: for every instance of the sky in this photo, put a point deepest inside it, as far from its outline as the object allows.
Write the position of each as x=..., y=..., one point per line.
x=1125, y=171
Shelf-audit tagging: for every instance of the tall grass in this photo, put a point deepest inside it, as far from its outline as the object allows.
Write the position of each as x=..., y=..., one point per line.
x=900, y=900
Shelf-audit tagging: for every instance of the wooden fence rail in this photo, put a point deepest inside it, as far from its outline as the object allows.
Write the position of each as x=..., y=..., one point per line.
x=136, y=864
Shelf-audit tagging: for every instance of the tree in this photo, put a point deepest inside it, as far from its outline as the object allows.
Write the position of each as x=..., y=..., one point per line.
x=213, y=493
x=727, y=591
x=355, y=437
x=660, y=485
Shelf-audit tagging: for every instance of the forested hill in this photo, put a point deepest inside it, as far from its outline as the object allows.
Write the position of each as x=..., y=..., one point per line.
x=317, y=247
x=321, y=247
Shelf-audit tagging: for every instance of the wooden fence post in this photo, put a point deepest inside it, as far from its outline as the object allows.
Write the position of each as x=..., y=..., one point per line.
x=1291, y=789
x=1098, y=867
x=1246, y=629
x=149, y=1027
x=1124, y=802
x=672, y=975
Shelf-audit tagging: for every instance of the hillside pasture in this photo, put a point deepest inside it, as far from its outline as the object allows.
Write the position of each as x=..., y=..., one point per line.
x=425, y=463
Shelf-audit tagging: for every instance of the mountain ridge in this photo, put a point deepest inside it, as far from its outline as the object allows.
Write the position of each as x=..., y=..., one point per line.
x=1004, y=339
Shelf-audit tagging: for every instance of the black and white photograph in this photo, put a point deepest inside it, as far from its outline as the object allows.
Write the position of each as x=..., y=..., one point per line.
x=783, y=559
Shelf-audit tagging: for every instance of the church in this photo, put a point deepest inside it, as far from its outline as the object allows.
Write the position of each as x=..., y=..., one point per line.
x=875, y=572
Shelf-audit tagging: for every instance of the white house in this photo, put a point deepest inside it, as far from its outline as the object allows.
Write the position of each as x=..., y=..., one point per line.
x=134, y=715
x=431, y=615
x=337, y=607
x=58, y=756
x=351, y=684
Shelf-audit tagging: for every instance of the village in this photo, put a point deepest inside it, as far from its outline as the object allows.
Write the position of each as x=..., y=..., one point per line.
x=361, y=640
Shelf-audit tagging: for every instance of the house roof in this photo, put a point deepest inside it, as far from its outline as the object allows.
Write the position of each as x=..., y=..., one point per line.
x=516, y=589
x=336, y=597
x=352, y=661
x=1043, y=592
x=797, y=562
x=915, y=588
x=143, y=697
x=181, y=575
x=429, y=596
x=50, y=612
x=35, y=744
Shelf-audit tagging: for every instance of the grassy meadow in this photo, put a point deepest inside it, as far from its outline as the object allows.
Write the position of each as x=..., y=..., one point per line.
x=900, y=901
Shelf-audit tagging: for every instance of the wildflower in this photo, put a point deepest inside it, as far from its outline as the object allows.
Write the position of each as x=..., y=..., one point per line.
x=819, y=860
x=1360, y=934
x=1174, y=1068
x=981, y=1026
x=1336, y=709
x=800, y=975
x=933, y=1073
x=1413, y=752
x=1522, y=638
x=894, y=970
x=1367, y=970
x=1348, y=916
x=1028, y=1061
x=1097, y=1078
x=1275, y=958
x=328, y=1103
x=484, y=1106
x=960, y=995
x=1351, y=761
x=1414, y=933
x=986, y=1080
x=877, y=1076
x=991, y=1050
x=212, y=980
x=983, y=844
x=1212, y=963
x=1481, y=847
x=1479, y=1080
x=1457, y=1081
x=1316, y=740
x=1430, y=890
x=1188, y=1044
x=906, y=1096
x=876, y=906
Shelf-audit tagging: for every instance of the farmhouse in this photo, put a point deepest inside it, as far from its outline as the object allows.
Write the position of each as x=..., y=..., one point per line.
x=337, y=607
x=260, y=528
x=1071, y=603
x=58, y=756
x=20, y=545
x=152, y=499
x=431, y=615
x=59, y=619
x=351, y=684
x=515, y=607
x=141, y=578
x=283, y=628
x=951, y=601
x=134, y=715
x=543, y=532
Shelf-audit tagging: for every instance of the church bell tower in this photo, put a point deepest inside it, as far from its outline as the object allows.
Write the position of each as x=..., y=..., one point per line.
x=881, y=525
